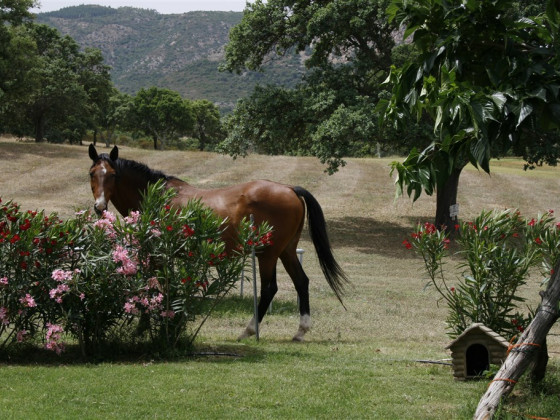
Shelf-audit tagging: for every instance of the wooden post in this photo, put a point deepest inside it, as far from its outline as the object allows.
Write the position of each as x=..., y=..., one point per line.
x=522, y=353
x=255, y=297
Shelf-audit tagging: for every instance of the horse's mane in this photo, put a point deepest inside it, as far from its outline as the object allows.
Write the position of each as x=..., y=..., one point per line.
x=125, y=165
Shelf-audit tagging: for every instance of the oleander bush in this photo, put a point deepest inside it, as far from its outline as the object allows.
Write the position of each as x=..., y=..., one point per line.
x=161, y=270
x=498, y=250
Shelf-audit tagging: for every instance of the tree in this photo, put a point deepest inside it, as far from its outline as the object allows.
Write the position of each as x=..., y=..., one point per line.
x=12, y=51
x=348, y=44
x=207, y=124
x=95, y=78
x=488, y=80
x=115, y=113
x=162, y=114
x=60, y=87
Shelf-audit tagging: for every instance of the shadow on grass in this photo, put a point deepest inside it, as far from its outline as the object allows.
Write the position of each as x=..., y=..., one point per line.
x=18, y=150
x=34, y=355
x=370, y=236
x=237, y=305
x=142, y=352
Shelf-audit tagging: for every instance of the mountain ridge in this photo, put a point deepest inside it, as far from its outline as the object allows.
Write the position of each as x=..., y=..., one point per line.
x=181, y=52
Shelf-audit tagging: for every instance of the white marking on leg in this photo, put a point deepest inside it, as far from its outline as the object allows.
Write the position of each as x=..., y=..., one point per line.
x=250, y=330
x=304, y=326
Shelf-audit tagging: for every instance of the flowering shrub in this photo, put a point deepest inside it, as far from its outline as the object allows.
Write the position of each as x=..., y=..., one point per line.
x=31, y=246
x=83, y=278
x=498, y=250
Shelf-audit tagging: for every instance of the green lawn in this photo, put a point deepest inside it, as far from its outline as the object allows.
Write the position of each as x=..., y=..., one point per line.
x=361, y=363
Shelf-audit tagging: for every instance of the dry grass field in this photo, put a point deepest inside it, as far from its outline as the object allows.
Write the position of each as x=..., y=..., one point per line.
x=391, y=321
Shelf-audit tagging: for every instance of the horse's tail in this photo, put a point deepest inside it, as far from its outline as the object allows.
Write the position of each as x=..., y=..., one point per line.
x=318, y=230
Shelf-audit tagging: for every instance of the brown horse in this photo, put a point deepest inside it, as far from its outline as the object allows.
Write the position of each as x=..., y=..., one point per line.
x=124, y=181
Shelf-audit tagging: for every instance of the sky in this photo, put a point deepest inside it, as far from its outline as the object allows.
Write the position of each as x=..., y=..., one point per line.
x=162, y=6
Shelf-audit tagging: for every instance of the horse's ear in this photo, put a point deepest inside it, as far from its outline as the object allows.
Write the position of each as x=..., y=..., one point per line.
x=93, y=153
x=114, y=155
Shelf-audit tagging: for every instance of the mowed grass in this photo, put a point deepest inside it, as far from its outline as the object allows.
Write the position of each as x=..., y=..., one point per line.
x=369, y=361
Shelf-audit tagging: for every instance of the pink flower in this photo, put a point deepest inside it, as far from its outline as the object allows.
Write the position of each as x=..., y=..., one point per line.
x=168, y=314
x=153, y=283
x=53, y=337
x=120, y=254
x=128, y=268
x=107, y=215
x=132, y=218
x=28, y=301
x=4, y=316
x=57, y=293
x=61, y=275
x=21, y=336
x=3, y=281
x=107, y=226
x=130, y=308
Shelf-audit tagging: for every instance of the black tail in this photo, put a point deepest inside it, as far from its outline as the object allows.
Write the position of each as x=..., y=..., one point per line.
x=318, y=230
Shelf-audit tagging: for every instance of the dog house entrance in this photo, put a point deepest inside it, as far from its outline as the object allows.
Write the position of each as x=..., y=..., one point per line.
x=477, y=359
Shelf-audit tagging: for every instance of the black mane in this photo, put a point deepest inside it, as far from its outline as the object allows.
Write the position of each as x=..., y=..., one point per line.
x=125, y=165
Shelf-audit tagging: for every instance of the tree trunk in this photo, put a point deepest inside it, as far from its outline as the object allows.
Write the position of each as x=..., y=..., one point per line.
x=155, y=142
x=39, y=129
x=446, y=197
x=201, y=140
x=523, y=352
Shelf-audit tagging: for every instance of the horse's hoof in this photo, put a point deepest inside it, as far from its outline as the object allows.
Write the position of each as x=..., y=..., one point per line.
x=298, y=339
x=246, y=334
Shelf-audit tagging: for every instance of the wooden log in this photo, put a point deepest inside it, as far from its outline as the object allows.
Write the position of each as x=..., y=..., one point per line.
x=523, y=352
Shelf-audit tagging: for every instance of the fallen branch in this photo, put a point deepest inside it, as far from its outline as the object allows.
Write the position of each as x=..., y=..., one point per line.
x=522, y=353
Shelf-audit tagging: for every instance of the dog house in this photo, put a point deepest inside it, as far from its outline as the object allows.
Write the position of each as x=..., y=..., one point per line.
x=475, y=350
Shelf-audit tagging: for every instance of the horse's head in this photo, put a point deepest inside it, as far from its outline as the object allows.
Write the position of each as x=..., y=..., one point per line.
x=102, y=177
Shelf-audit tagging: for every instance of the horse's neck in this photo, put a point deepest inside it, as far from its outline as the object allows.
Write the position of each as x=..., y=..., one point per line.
x=128, y=194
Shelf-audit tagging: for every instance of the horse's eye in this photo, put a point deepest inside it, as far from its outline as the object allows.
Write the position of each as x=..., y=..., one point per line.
x=91, y=174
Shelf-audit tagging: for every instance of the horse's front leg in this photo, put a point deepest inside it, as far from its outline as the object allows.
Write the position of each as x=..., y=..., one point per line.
x=269, y=287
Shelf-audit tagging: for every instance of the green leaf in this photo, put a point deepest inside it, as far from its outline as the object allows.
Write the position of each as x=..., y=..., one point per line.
x=525, y=110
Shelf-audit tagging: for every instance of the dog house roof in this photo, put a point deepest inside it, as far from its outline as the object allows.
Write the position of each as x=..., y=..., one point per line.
x=477, y=329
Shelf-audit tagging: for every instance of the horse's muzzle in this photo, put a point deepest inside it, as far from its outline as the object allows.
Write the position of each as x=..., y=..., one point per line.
x=99, y=211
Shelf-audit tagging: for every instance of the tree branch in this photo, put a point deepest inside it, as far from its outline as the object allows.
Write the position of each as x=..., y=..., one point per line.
x=523, y=352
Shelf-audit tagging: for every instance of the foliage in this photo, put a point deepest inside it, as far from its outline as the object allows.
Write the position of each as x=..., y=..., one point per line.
x=166, y=267
x=499, y=250
x=162, y=114
x=12, y=15
x=58, y=90
x=329, y=114
x=207, y=124
x=116, y=113
x=488, y=80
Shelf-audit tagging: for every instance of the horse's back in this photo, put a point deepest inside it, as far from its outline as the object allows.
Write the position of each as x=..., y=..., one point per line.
x=266, y=200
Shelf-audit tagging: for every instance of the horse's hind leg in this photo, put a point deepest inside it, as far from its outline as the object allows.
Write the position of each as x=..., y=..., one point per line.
x=269, y=287
x=301, y=283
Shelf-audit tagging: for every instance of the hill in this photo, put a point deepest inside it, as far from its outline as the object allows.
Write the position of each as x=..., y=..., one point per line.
x=176, y=51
